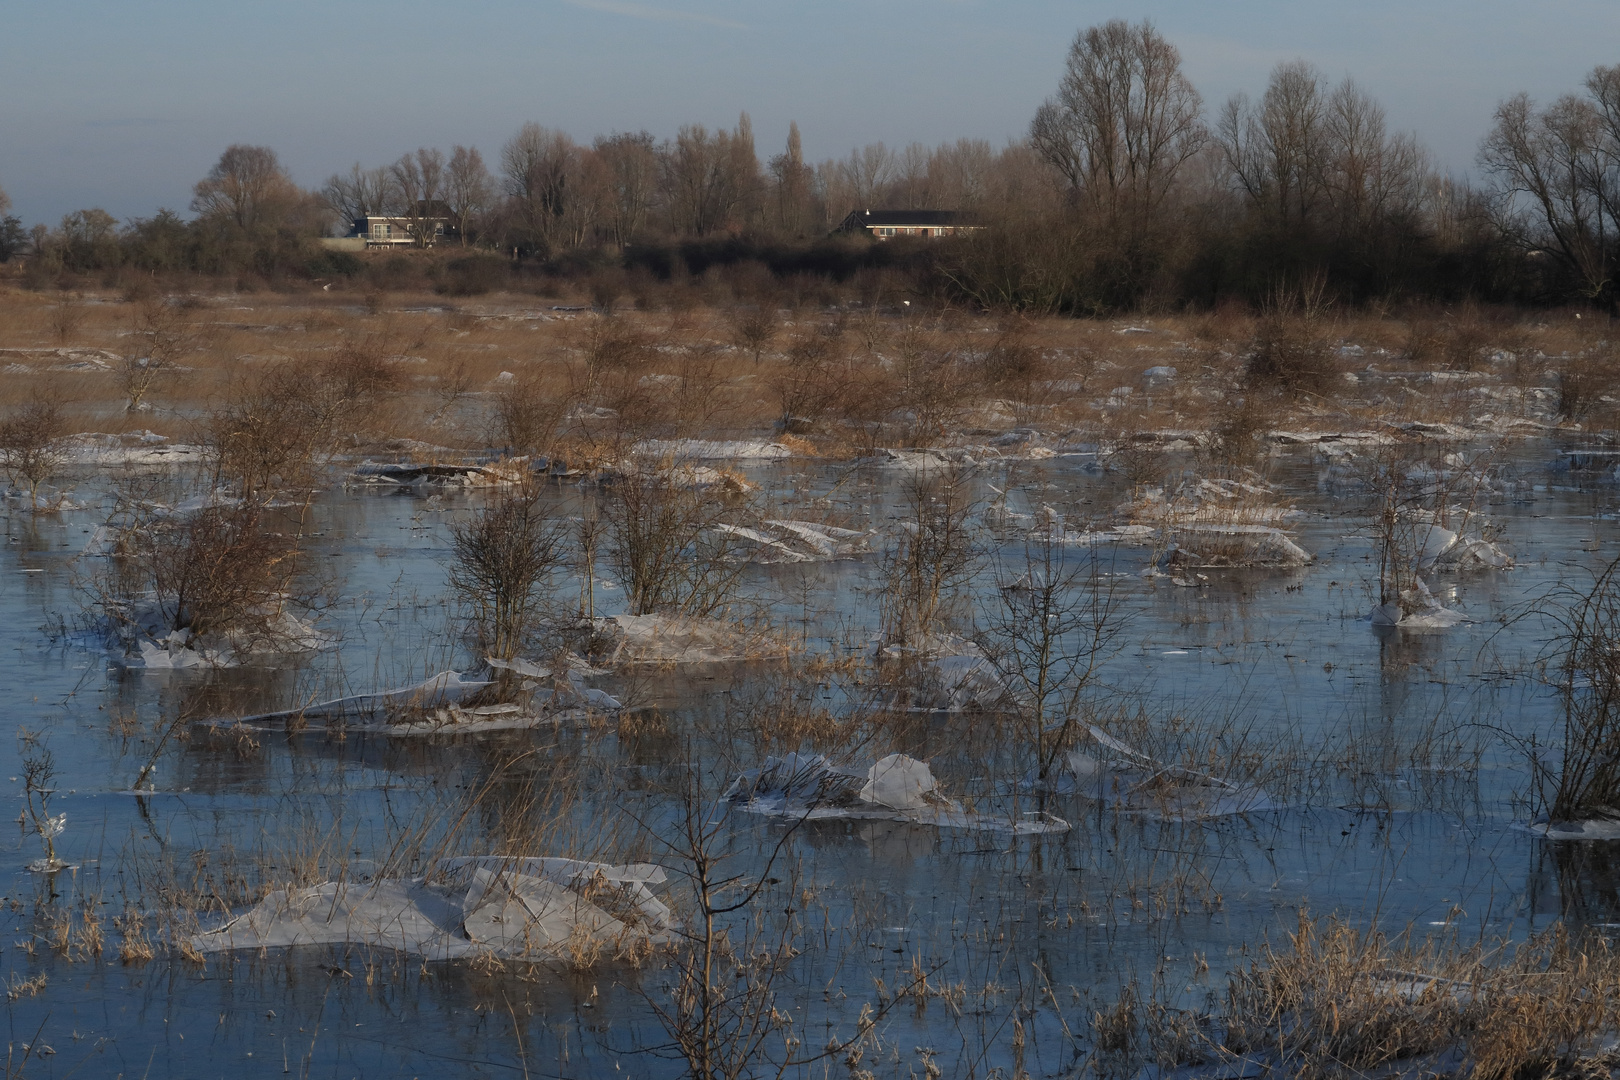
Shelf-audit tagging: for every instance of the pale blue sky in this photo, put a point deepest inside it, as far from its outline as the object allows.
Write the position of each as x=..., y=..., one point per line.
x=125, y=104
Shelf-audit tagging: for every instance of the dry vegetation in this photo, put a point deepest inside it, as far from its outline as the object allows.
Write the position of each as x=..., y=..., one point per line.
x=279, y=391
x=273, y=383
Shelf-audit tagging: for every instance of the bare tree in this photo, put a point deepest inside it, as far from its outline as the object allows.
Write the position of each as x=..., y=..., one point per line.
x=712, y=178
x=1124, y=120
x=247, y=187
x=501, y=559
x=1371, y=175
x=795, y=186
x=1556, y=173
x=867, y=173
x=419, y=178
x=1056, y=623
x=631, y=164
x=536, y=165
x=1277, y=150
x=361, y=193
x=164, y=331
x=31, y=444
x=468, y=189
x=960, y=174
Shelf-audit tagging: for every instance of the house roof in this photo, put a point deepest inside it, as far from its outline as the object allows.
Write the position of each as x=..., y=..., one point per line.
x=437, y=208
x=868, y=219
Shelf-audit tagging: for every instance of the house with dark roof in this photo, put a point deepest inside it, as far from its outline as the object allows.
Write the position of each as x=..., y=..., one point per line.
x=434, y=219
x=887, y=224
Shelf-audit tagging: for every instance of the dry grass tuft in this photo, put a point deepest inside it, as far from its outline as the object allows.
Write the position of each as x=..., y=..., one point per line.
x=1340, y=1002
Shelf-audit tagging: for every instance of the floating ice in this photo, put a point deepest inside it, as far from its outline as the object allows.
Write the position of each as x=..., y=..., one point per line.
x=1416, y=609
x=511, y=907
x=412, y=475
x=1135, y=783
x=712, y=449
x=895, y=788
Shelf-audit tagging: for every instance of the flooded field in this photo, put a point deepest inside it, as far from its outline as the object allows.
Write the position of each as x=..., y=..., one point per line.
x=1239, y=745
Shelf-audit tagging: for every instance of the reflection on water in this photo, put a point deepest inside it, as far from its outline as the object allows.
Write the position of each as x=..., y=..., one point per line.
x=1387, y=746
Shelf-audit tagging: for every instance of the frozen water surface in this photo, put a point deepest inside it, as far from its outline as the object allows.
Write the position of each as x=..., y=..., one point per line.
x=1390, y=761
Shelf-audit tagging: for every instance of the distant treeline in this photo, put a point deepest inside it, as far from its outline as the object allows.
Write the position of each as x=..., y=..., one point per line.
x=1127, y=193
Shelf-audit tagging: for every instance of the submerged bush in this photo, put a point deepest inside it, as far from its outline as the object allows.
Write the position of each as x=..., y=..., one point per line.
x=1587, y=784
x=502, y=556
x=1292, y=353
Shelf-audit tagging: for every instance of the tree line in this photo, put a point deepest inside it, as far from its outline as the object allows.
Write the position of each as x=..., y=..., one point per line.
x=1129, y=191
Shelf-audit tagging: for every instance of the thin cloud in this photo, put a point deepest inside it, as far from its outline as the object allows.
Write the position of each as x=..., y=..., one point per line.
x=644, y=11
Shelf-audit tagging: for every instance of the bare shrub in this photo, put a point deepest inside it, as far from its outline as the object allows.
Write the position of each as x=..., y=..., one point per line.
x=1056, y=623
x=931, y=382
x=502, y=557
x=1456, y=340
x=723, y=1002
x=808, y=382
x=1339, y=1002
x=931, y=560
x=360, y=370
x=1292, y=349
x=1013, y=361
x=32, y=446
x=693, y=393
x=1238, y=430
x=39, y=783
x=753, y=328
x=282, y=424
x=66, y=316
x=165, y=331
x=218, y=573
x=1587, y=665
x=665, y=542
x=529, y=414
x=1588, y=375
x=1291, y=353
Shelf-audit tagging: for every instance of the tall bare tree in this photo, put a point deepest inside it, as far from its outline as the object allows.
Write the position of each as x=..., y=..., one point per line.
x=867, y=174
x=631, y=166
x=959, y=174
x=420, y=180
x=247, y=187
x=360, y=193
x=1277, y=150
x=1556, y=175
x=1124, y=119
x=1371, y=175
x=468, y=189
x=537, y=164
x=712, y=178
x=795, y=186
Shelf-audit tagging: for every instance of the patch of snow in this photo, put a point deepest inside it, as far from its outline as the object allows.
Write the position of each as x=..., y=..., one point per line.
x=712, y=449
x=895, y=788
x=510, y=907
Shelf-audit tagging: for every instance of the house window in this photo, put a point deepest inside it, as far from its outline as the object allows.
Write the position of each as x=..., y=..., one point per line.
x=438, y=230
x=885, y=232
x=377, y=230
